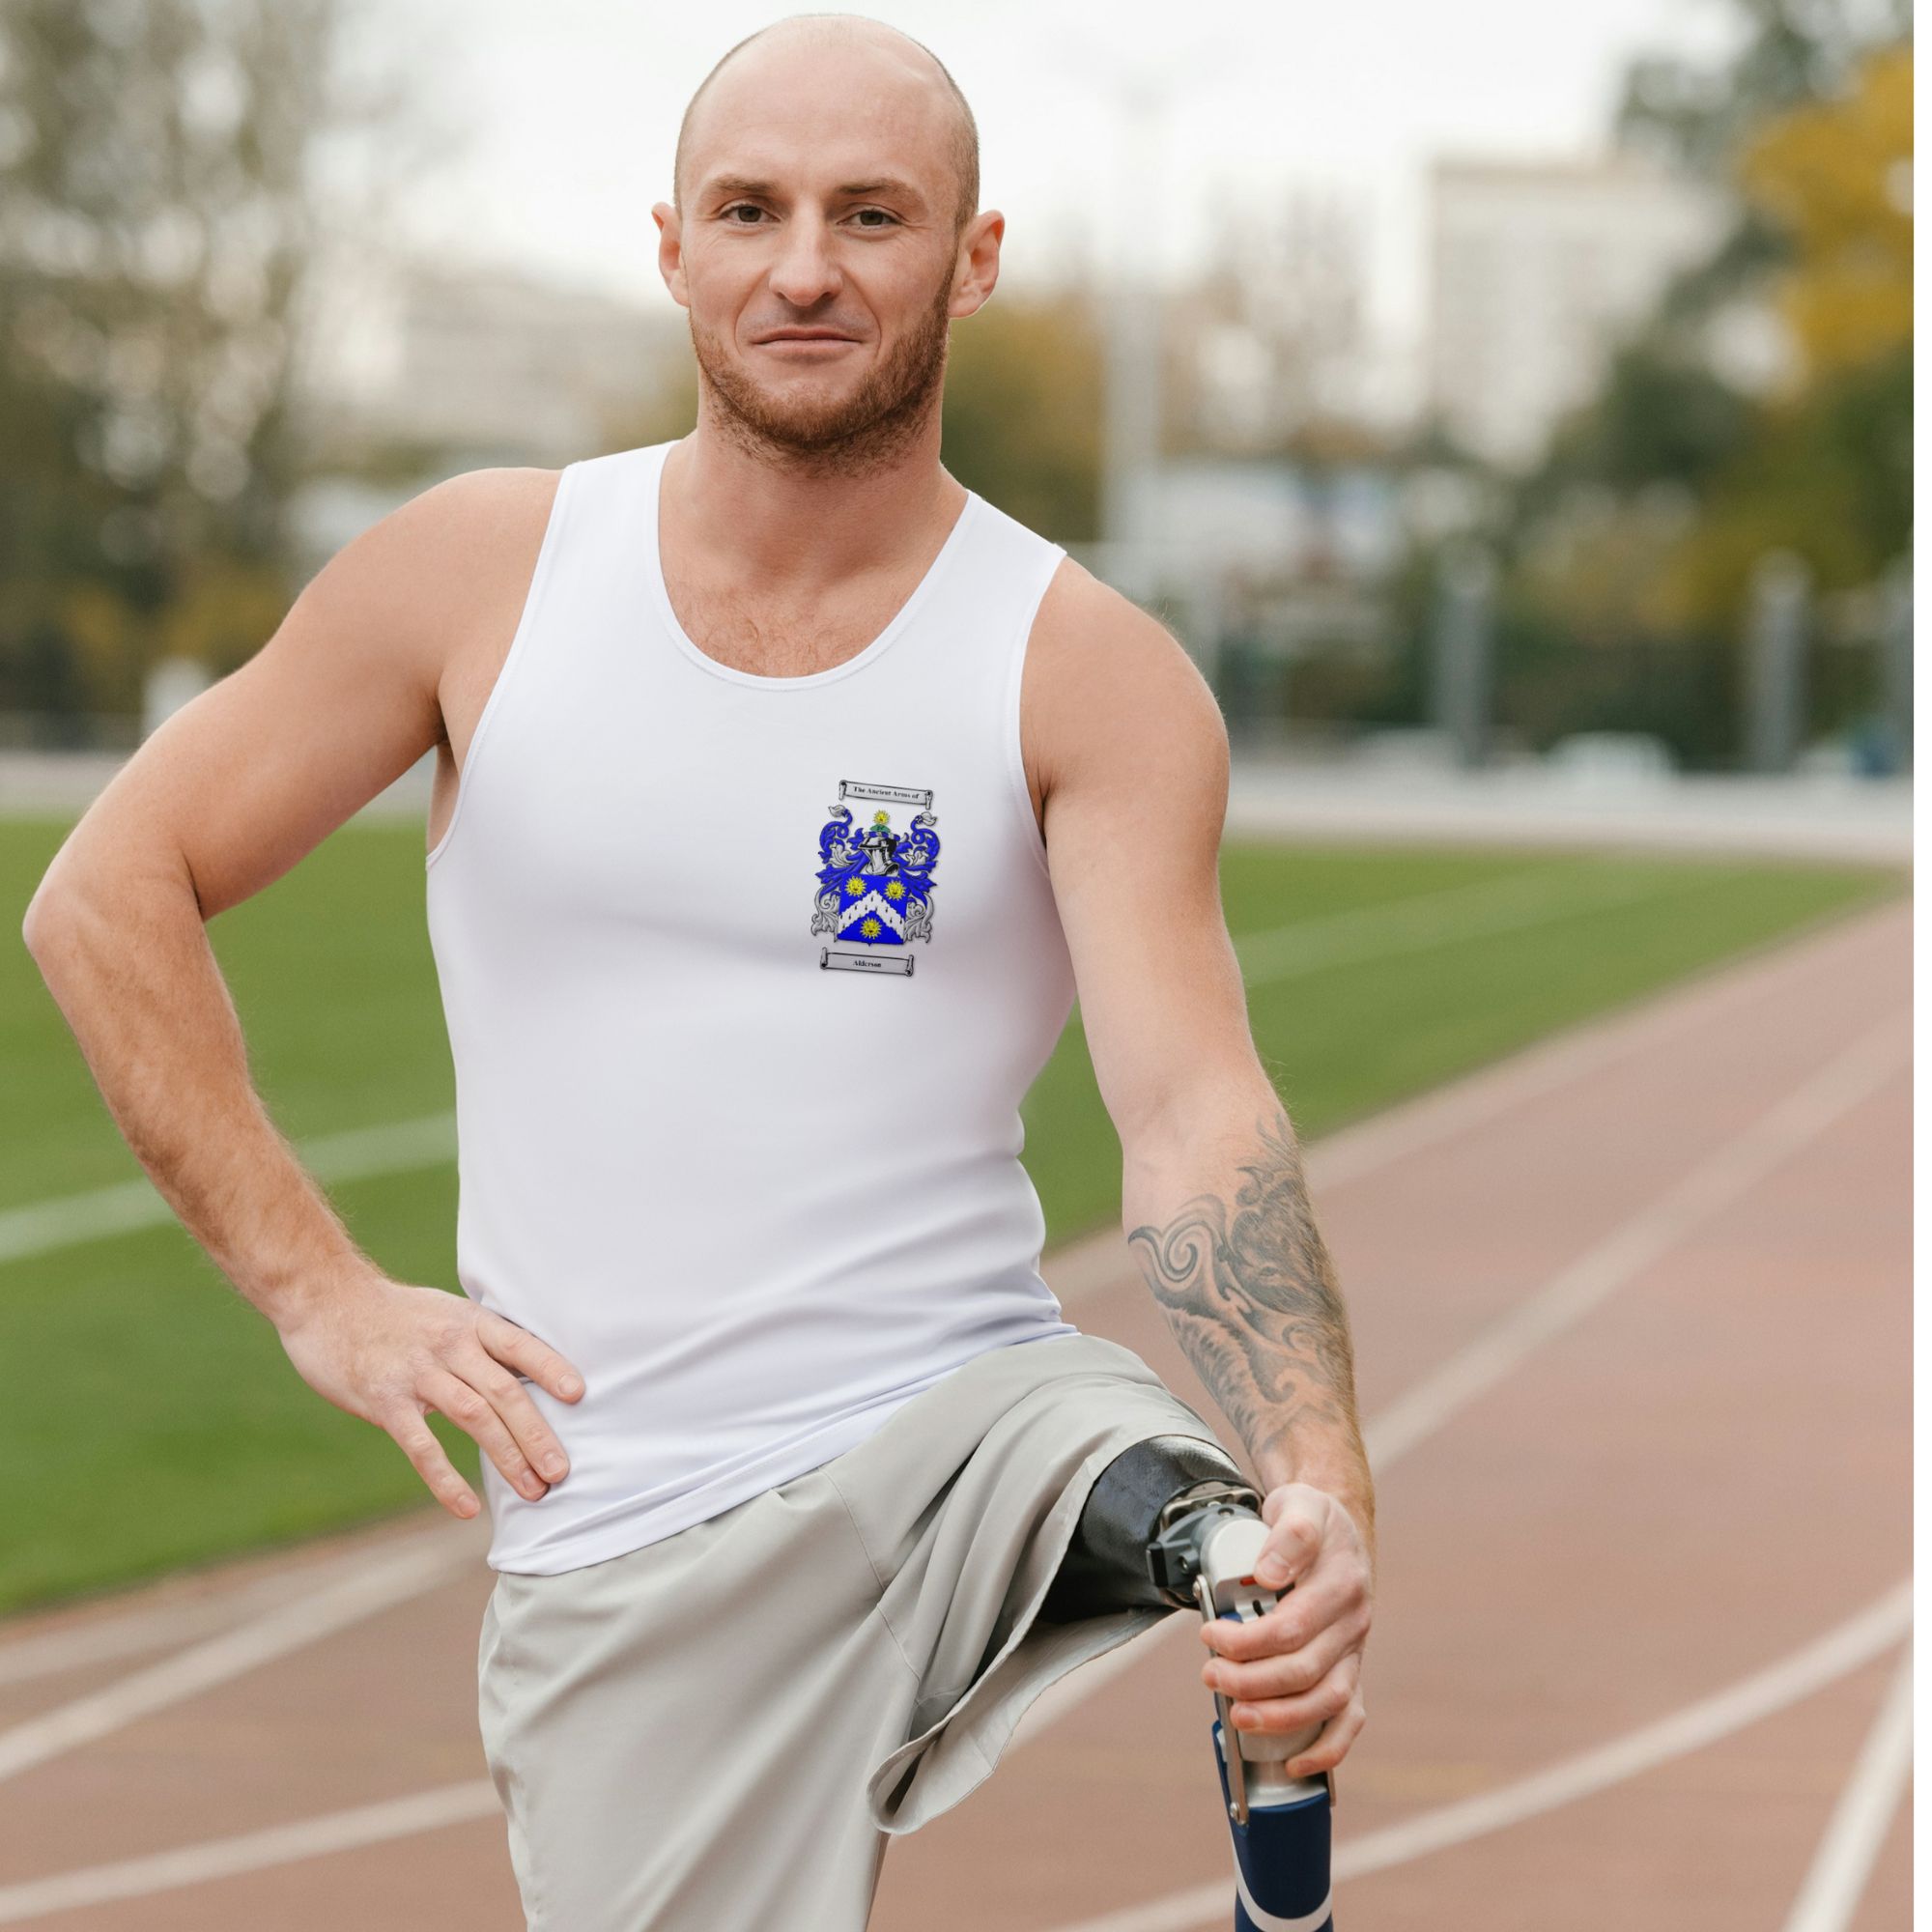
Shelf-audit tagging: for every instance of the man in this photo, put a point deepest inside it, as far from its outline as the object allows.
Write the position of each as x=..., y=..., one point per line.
x=800, y=1486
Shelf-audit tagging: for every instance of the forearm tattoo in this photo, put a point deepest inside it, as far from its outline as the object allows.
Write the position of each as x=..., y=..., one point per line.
x=1250, y=1294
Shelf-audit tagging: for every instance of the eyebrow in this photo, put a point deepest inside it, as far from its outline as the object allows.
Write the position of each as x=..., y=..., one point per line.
x=883, y=184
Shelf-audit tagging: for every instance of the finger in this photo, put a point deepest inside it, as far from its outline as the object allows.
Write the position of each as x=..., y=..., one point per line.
x=1292, y=1546
x=1288, y=1675
x=1329, y=1700
x=534, y=1435
x=1337, y=1739
x=416, y=1439
x=473, y=1414
x=1333, y=1592
x=1338, y=1588
x=524, y=1352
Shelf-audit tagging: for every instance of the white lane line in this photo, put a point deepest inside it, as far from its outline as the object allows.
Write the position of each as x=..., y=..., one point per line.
x=359, y=1154
x=1824, y=1662
x=1423, y=919
x=1791, y=1679
x=152, y=1627
x=103, y=1638
x=252, y=1851
x=1709, y=998
x=1837, y=1882
x=1481, y=1362
x=1802, y=1674
x=399, y=1147
x=382, y=1583
x=1705, y=1191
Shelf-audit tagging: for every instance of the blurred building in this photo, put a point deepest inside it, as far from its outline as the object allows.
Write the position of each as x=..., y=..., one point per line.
x=486, y=365
x=1273, y=520
x=1274, y=335
x=1264, y=566
x=418, y=371
x=1536, y=271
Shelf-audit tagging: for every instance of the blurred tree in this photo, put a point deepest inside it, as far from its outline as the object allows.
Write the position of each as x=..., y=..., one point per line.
x=1827, y=469
x=1810, y=121
x=1789, y=52
x=1022, y=413
x=1656, y=501
x=1660, y=416
x=158, y=215
x=1836, y=177
x=672, y=412
x=1704, y=119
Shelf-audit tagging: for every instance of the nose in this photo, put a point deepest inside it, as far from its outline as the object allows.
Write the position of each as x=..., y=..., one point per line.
x=804, y=272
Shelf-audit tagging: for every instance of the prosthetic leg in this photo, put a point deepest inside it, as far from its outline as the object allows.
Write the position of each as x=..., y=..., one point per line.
x=1170, y=1520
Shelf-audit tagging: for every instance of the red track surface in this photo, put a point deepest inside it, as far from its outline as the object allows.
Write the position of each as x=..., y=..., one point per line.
x=1633, y=1337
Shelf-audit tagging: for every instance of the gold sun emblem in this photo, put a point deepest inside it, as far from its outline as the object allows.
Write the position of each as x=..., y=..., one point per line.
x=870, y=928
x=895, y=890
x=853, y=889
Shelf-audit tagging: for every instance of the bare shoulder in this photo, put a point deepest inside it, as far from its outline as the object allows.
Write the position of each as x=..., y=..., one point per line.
x=472, y=514
x=441, y=565
x=441, y=581
x=372, y=666
x=1113, y=700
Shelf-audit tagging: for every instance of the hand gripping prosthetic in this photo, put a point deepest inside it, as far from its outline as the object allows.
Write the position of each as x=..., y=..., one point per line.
x=1170, y=1520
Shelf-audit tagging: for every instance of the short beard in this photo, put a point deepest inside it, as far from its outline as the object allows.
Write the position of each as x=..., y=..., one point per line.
x=866, y=432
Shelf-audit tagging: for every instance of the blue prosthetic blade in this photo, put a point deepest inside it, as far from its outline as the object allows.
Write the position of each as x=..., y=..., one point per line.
x=1280, y=1859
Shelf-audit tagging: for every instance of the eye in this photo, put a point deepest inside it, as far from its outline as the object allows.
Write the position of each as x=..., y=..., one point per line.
x=742, y=208
x=884, y=217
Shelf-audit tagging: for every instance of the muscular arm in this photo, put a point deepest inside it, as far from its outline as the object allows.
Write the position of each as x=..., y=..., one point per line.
x=1133, y=762
x=1247, y=1286
x=221, y=800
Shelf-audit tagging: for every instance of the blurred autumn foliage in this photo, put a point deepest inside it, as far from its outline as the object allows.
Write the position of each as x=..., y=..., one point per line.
x=1766, y=408
x=1836, y=176
x=1823, y=463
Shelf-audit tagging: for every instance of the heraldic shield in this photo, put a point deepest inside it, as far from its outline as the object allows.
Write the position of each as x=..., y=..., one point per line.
x=874, y=882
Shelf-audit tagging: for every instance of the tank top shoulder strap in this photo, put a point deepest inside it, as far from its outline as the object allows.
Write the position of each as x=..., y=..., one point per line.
x=1011, y=565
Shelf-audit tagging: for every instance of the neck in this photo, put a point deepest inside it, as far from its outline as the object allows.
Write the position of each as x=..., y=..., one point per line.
x=798, y=518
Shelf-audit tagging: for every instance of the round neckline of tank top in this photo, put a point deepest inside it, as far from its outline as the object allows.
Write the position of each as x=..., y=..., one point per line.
x=877, y=648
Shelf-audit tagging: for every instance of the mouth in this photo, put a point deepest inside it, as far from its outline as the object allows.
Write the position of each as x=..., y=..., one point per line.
x=794, y=337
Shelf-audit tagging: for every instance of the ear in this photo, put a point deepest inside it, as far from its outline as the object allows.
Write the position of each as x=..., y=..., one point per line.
x=671, y=252
x=978, y=264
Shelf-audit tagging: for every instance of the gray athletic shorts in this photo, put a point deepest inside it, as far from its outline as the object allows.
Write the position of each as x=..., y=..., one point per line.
x=722, y=1728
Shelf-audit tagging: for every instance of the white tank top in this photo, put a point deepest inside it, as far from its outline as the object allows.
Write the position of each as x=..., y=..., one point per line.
x=745, y=980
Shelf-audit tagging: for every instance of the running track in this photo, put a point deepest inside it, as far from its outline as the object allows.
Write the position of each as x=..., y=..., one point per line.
x=1631, y=1316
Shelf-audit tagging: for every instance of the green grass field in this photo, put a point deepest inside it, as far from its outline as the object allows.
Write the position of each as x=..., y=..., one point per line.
x=153, y=1419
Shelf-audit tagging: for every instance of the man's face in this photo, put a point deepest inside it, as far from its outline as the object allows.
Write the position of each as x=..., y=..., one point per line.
x=817, y=251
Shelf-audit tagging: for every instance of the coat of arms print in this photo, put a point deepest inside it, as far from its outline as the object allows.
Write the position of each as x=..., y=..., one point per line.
x=874, y=882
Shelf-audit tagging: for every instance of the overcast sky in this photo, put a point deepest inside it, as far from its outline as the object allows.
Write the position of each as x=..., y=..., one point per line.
x=569, y=110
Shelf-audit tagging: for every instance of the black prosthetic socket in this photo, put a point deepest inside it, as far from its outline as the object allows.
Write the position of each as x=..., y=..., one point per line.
x=1113, y=1563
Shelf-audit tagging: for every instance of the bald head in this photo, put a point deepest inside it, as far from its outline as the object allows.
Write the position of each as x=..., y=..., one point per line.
x=875, y=54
